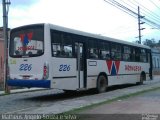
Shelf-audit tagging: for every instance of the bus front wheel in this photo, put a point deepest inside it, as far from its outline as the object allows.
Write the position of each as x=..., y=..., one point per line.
x=101, y=84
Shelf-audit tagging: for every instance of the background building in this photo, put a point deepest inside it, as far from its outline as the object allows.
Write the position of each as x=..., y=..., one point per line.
x=1, y=57
x=156, y=60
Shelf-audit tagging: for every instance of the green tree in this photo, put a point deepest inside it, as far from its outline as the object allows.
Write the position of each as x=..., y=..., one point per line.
x=150, y=42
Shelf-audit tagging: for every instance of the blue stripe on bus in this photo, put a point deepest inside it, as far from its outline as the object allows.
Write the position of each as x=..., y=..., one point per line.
x=29, y=83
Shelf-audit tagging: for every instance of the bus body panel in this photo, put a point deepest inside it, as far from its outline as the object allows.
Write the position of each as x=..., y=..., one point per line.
x=64, y=74
x=118, y=72
x=28, y=71
x=26, y=68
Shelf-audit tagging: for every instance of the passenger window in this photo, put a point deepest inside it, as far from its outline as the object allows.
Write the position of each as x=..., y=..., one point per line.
x=148, y=56
x=93, y=49
x=61, y=44
x=137, y=55
x=143, y=55
x=104, y=52
x=126, y=53
x=116, y=52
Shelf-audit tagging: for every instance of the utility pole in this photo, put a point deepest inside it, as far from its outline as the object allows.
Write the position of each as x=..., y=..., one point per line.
x=139, y=25
x=5, y=32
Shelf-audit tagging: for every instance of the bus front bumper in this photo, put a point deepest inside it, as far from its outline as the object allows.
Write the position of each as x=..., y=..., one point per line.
x=29, y=83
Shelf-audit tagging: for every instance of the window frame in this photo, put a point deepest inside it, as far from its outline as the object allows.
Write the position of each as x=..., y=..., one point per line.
x=144, y=55
x=63, y=34
x=116, y=44
x=128, y=53
x=104, y=49
x=95, y=44
x=24, y=29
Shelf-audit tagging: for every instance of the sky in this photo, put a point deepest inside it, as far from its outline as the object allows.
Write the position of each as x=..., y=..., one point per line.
x=93, y=16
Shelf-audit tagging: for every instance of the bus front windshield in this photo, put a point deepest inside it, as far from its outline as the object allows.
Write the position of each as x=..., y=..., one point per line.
x=27, y=41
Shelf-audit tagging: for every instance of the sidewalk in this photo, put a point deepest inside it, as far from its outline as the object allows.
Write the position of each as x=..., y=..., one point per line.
x=20, y=90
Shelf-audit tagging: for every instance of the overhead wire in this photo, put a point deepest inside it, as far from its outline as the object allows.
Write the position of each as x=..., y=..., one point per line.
x=153, y=18
x=154, y=4
x=119, y=8
x=131, y=12
x=146, y=12
x=144, y=8
x=141, y=12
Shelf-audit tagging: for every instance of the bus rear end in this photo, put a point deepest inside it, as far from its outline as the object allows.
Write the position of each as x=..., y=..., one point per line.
x=28, y=66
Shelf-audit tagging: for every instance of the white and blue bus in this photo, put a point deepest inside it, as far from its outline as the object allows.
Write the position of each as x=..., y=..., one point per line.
x=50, y=56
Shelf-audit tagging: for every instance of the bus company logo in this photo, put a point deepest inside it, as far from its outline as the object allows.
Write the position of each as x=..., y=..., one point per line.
x=26, y=38
x=113, y=67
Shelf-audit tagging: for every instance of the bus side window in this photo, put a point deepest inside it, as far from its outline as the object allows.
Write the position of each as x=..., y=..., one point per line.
x=143, y=55
x=93, y=49
x=137, y=55
x=104, y=52
x=126, y=53
x=132, y=54
x=61, y=44
x=116, y=51
x=148, y=56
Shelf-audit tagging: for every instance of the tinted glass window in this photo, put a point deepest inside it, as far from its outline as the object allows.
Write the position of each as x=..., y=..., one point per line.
x=61, y=44
x=143, y=55
x=126, y=53
x=116, y=51
x=137, y=54
x=93, y=49
x=27, y=41
x=104, y=52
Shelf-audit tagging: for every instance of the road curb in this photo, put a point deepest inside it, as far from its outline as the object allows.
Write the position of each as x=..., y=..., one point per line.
x=21, y=91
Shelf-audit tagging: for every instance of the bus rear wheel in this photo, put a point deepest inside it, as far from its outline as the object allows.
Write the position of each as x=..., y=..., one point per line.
x=101, y=84
x=142, y=79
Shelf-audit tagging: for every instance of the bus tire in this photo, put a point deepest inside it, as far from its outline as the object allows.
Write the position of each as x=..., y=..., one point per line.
x=70, y=91
x=101, y=84
x=142, y=78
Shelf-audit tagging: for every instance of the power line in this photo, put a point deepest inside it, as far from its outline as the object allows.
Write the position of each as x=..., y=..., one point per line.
x=146, y=11
x=131, y=12
x=143, y=7
x=128, y=5
x=120, y=8
x=154, y=4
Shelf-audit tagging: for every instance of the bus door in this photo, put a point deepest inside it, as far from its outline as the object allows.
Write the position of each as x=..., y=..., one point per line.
x=81, y=64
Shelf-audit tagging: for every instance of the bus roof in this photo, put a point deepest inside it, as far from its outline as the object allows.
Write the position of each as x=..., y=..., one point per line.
x=64, y=29
x=78, y=32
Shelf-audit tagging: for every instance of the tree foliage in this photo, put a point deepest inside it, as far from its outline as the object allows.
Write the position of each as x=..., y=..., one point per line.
x=151, y=42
